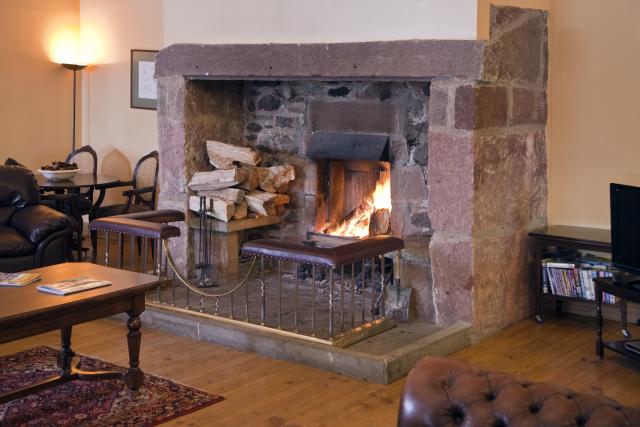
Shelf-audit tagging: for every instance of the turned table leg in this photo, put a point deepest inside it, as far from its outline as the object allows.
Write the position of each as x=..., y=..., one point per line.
x=66, y=354
x=134, y=376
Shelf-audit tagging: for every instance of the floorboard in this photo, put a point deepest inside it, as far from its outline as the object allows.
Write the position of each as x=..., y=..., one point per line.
x=265, y=392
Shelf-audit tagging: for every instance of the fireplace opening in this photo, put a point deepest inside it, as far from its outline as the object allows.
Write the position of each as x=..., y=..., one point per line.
x=355, y=188
x=356, y=201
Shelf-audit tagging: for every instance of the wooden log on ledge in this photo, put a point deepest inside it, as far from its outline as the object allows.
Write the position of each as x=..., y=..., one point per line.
x=223, y=155
x=234, y=195
x=261, y=203
x=276, y=179
x=242, y=210
x=222, y=209
x=217, y=179
x=251, y=180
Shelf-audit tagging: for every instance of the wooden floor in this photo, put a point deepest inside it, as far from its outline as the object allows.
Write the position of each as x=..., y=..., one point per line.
x=264, y=392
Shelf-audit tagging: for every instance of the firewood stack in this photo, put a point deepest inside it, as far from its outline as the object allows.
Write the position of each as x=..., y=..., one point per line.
x=238, y=188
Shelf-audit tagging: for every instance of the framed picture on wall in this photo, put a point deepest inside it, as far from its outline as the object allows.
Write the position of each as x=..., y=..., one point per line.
x=144, y=87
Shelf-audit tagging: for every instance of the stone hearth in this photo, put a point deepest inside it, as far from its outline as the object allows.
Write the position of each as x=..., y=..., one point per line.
x=466, y=124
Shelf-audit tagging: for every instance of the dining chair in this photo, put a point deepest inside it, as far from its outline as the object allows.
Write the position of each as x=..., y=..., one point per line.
x=76, y=203
x=140, y=198
x=87, y=160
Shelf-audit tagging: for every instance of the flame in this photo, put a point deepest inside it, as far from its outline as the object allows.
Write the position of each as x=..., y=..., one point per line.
x=357, y=223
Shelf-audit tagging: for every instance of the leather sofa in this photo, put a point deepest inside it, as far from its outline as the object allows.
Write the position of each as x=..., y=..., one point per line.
x=446, y=392
x=31, y=234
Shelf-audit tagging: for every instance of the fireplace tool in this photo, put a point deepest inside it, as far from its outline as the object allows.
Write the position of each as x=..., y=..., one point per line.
x=205, y=236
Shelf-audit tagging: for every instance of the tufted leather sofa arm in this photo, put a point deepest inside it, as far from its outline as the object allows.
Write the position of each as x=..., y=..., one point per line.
x=446, y=392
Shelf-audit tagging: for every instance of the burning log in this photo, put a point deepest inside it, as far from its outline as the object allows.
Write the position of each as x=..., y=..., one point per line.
x=261, y=203
x=223, y=155
x=276, y=179
x=380, y=222
x=222, y=209
x=217, y=179
x=251, y=180
x=234, y=195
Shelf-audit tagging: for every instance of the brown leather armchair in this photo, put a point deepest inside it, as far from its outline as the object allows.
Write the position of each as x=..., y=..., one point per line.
x=447, y=392
x=31, y=234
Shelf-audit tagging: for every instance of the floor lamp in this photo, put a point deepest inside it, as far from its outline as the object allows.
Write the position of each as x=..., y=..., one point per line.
x=75, y=68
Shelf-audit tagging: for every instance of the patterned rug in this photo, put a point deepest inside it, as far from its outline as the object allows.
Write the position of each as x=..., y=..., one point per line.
x=90, y=403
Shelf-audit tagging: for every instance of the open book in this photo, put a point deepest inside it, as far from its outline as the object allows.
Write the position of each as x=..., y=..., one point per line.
x=71, y=286
x=18, y=279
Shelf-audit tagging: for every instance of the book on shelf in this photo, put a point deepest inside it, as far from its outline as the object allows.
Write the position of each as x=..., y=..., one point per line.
x=71, y=286
x=18, y=279
x=575, y=278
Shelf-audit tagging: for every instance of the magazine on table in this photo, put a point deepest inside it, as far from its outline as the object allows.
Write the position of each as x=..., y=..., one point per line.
x=18, y=279
x=71, y=286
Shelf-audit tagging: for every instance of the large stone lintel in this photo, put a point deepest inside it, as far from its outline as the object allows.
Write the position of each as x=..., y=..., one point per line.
x=384, y=60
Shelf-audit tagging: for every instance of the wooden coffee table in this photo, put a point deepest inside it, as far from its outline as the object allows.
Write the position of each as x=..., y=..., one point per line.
x=26, y=312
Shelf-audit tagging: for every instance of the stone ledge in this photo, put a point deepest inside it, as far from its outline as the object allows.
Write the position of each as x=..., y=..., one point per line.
x=385, y=60
x=383, y=358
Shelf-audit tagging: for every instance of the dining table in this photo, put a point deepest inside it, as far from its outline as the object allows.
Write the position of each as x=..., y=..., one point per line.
x=66, y=192
x=101, y=183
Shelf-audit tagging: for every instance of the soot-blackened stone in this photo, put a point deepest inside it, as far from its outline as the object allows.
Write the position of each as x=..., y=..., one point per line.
x=340, y=91
x=426, y=89
x=254, y=127
x=269, y=103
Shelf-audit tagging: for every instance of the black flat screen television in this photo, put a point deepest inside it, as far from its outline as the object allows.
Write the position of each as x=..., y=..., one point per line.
x=625, y=228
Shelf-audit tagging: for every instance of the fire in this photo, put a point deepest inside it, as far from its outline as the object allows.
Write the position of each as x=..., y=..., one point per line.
x=357, y=223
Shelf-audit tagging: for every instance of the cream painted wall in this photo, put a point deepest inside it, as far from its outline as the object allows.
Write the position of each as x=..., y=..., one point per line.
x=594, y=118
x=119, y=134
x=36, y=107
x=305, y=21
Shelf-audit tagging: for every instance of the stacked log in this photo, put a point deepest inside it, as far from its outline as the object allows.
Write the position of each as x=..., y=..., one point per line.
x=239, y=188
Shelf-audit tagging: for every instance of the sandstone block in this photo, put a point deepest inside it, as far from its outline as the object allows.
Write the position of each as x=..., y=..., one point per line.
x=517, y=53
x=450, y=171
x=479, y=107
x=502, y=291
x=529, y=106
x=500, y=198
x=438, y=105
x=453, y=281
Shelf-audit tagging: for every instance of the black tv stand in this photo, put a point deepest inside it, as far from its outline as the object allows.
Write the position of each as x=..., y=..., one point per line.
x=626, y=279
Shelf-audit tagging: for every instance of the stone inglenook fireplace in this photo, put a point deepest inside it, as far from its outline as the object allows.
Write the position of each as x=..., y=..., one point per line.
x=454, y=127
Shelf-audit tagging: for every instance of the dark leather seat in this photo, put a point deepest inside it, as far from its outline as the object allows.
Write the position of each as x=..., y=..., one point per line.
x=446, y=392
x=31, y=235
x=326, y=257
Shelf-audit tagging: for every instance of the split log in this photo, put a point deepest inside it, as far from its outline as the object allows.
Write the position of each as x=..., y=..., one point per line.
x=251, y=179
x=281, y=199
x=261, y=203
x=380, y=222
x=276, y=179
x=234, y=195
x=223, y=155
x=242, y=210
x=222, y=209
x=217, y=179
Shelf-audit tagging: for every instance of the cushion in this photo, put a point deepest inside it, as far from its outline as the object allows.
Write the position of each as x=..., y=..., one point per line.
x=5, y=214
x=18, y=187
x=13, y=243
x=37, y=222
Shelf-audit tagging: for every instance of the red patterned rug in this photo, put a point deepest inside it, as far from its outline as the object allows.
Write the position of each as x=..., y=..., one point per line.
x=90, y=403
